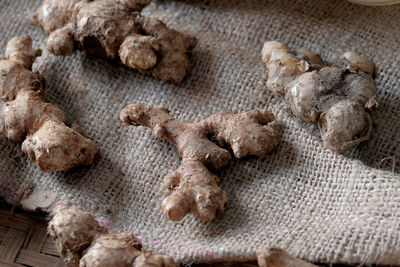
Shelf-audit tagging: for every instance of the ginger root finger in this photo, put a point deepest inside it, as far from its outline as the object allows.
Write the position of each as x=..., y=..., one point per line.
x=196, y=192
x=154, y=260
x=194, y=187
x=83, y=242
x=139, y=52
x=27, y=118
x=61, y=41
x=275, y=257
x=116, y=29
x=338, y=100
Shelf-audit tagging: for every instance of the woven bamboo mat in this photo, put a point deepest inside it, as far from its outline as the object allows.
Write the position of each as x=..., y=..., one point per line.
x=24, y=241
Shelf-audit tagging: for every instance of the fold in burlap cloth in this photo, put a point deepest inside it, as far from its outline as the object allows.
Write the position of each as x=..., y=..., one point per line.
x=318, y=205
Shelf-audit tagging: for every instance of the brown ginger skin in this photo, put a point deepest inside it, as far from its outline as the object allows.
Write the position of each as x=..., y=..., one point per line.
x=275, y=257
x=338, y=100
x=116, y=29
x=27, y=118
x=83, y=242
x=195, y=188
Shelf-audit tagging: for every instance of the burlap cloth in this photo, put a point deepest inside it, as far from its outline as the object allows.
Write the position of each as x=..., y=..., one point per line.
x=318, y=205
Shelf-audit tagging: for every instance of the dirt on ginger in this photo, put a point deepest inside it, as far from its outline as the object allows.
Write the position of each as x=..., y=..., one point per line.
x=338, y=99
x=116, y=29
x=27, y=118
x=195, y=188
x=83, y=242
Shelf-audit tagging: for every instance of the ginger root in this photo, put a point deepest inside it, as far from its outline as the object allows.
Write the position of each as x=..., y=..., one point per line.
x=116, y=29
x=338, y=100
x=27, y=118
x=83, y=242
x=276, y=257
x=194, y=187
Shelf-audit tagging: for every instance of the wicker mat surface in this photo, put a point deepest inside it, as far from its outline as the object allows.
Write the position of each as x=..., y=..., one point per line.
x=24, y=241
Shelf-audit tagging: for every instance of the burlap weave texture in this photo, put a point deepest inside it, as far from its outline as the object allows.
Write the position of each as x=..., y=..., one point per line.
x=318, y=205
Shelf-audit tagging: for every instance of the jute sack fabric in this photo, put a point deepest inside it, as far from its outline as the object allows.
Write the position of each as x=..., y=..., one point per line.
x=318, y=205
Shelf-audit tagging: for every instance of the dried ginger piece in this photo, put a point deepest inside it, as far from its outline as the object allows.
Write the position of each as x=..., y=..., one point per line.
x=83, y=242
x=275, y=257
x=338, y=100
x=27, y=118
x=195, y=188
x=116, y=29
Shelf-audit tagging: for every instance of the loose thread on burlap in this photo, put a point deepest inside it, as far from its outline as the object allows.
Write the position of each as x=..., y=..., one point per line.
x=393, y=158
x=20, y=195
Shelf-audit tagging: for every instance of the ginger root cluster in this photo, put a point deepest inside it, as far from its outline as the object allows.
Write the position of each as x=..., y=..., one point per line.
x=27, y=118
x=116, y=29
x=338, y=99
x=83, y=242
x=195, y=188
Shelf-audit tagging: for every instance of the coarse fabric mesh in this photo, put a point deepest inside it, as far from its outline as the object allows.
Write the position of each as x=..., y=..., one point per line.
x=318, y=205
